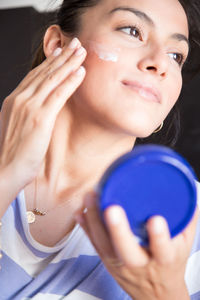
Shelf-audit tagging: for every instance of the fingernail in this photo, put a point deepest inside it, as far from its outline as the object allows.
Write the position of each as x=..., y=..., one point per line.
x=74, y=43
x=115, y=214
x=80, y=51
x=159, y=225
x=57, y=52
x=80, y=71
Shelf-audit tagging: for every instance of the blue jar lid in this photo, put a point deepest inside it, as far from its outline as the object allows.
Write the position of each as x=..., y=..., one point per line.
x=150, y=180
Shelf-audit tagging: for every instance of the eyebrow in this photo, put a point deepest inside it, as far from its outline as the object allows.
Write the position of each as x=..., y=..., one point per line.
x=138, y=13
x=176, y=36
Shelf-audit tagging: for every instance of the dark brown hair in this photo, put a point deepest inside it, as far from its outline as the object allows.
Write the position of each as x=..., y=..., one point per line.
x=68, y=17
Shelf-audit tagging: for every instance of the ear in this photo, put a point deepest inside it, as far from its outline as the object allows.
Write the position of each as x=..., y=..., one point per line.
x=53, y=39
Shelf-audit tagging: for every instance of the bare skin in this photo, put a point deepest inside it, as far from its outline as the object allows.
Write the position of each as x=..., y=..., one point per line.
x=38, y=120
x=60, y=127
x=32, y=110
x=156, y=273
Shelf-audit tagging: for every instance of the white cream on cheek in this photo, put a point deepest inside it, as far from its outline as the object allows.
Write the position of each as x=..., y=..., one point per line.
x=104, y=52
x=108, y=53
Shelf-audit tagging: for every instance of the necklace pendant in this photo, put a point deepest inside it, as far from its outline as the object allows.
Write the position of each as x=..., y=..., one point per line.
x=30, y=217
x=37, y=212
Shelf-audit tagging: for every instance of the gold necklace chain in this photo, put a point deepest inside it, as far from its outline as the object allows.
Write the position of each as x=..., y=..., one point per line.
x=31, y=214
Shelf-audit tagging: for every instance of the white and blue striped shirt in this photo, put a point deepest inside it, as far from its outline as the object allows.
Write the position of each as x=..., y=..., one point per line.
x=192, y=275
x=70, y=270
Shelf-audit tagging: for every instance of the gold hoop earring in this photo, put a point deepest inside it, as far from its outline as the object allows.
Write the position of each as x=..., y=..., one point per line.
x=159, y=128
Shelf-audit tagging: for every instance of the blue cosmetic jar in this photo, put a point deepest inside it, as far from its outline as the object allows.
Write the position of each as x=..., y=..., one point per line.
x=150, y=180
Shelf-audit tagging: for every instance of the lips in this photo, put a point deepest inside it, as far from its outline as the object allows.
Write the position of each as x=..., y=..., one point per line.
x=145, y=91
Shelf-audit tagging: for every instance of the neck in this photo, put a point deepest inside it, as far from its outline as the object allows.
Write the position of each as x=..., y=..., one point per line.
x=80, y=150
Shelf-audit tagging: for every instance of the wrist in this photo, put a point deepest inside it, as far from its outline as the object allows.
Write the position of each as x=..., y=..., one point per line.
x=176, y=293
x=9, y=188
x=164, y=293
x=180, y=292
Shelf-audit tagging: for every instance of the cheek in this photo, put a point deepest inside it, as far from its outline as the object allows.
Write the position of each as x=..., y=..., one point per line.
x=104, y=52
x=171, y=94
x=96, y=67
x=175, y=85
x=106, y=64
x=101, y=76
x=171, y=86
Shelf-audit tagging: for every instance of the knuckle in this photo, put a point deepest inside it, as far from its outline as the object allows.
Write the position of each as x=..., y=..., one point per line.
x=17, y=99
x=40, y=121
x=28, y=107
x=10, y=104
x=51, y=77
x=48, y=70
x=58, y=93
x=37, y=120
x=6, y=101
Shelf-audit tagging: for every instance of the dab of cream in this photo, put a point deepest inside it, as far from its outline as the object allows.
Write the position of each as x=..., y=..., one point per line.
x=104, y=53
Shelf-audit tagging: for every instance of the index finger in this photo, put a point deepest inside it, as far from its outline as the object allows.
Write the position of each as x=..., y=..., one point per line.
x=48, y=64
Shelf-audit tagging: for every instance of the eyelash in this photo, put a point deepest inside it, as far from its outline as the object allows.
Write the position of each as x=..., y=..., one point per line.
x=181, y=58
x=132, y=28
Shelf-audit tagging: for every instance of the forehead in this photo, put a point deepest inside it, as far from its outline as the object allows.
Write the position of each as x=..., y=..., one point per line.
x=166, y=14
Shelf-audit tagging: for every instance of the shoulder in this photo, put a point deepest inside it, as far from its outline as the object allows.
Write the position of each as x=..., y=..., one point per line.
x=198, y=192
x=193, y=265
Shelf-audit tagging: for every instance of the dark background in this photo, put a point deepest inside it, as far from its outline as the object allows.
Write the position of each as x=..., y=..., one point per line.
x=19, y=31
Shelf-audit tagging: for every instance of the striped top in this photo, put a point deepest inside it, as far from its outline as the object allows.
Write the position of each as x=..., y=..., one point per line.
x=70, y=270
x=192, y=275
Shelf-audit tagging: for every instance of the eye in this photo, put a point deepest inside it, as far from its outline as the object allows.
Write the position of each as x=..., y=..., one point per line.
x=178, y=57
x=132, y=31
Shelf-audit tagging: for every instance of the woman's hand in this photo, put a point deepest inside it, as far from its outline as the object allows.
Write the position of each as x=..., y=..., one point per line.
x=153, y=274
x=29, y=113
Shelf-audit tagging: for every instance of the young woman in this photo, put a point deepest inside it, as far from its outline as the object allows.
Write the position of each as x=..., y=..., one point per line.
x=108, y=72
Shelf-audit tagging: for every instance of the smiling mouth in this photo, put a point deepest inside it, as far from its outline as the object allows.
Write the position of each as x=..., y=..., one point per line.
x=146, y=92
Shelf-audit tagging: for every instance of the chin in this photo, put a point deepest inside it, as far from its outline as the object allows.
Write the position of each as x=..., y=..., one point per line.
x=134, y=131
x=140, y=128
x=143, y=134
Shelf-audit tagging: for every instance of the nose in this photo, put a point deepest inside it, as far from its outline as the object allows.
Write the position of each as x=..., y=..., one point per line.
x=155, y=62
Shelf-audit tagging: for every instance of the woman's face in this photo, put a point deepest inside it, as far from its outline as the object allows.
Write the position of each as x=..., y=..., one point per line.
x=136, y=49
